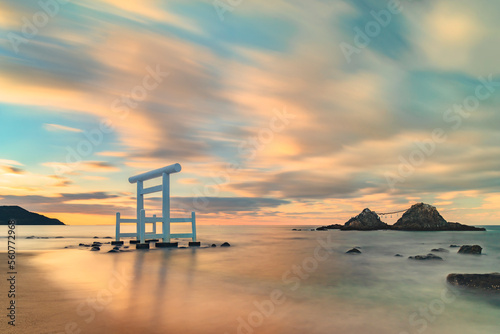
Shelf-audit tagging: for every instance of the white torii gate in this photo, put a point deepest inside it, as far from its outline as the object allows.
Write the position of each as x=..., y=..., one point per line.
x=165, y=219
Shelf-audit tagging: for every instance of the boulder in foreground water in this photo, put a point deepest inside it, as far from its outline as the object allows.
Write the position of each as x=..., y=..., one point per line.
x=486, y=282
x=353, y=251
x=468, y=249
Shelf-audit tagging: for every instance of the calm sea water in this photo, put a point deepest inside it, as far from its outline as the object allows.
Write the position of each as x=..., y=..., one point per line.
x=272, y=280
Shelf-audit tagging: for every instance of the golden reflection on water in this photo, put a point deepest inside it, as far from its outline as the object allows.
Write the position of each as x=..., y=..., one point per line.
x=226, y=290
x=207, y=289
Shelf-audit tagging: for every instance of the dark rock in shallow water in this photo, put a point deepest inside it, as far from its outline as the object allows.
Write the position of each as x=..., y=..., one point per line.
x=487, y=282
x=462, y=227
x=398, y=255
x=213, y=245
x=226, y=244
x=367, y=220
x=334, y=227
x=467, y=249
x=353, y=251
x=454, y=246
x=425, y=217
x=114, y=251
x=59, y=237
x=95, y=248
x=426, y=257
x=96, y=237
x=440, y=250
x=108, y=238
x=329, y=227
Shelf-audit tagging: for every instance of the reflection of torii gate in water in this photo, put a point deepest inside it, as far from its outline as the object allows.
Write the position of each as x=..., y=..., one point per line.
x=165, y=219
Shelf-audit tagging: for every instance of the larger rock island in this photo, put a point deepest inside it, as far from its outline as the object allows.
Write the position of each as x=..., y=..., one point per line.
x=24, y=217
x=420, y=217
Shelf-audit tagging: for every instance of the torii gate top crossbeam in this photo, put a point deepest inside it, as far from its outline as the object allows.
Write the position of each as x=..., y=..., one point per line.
x=175, y=168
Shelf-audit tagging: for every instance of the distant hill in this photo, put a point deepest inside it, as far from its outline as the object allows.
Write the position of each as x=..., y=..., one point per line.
x=24, y=217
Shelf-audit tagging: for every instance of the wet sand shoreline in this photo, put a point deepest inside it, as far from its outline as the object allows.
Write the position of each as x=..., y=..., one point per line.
x=41, y=307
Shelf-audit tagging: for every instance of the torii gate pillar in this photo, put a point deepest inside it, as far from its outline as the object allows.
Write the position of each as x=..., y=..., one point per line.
x=164, y=188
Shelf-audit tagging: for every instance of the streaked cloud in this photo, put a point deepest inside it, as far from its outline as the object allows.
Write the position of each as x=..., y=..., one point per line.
x=78, y=91
x=11, y=169
x=58, y=127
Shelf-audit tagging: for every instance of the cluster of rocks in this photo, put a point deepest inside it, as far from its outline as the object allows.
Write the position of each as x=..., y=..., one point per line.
x=465, y=249
x=420, y=217
x=96, y=246
x=481, y=282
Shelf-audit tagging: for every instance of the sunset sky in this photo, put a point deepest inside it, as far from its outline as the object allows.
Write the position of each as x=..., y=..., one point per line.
x=280, y=112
